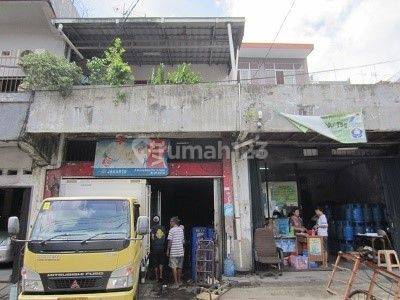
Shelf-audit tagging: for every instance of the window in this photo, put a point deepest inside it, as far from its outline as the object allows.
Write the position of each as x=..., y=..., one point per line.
x=12, y=172
x=280, y=79
x=80, y=150
x=10, y=85
x=245, y=75
x=5, y=53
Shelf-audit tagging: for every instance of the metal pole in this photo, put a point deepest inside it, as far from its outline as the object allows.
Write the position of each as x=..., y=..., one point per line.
x=232, y=53
x=68, y=41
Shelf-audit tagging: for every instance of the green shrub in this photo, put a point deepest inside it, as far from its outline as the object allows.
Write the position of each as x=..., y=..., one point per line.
x=47, y=71
x=159, y=76
x=111, y=69
x=118, y=72
x=183, y=74
x=97, y=69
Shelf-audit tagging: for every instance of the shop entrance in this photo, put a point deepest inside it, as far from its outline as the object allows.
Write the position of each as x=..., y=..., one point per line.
x=353, y=193
x=192, y=201
x=14, y=202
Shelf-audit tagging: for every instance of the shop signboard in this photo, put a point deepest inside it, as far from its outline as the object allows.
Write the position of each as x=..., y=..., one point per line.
x=314, y=246
x=127, y=157
x=344, y=128
x=282, y=194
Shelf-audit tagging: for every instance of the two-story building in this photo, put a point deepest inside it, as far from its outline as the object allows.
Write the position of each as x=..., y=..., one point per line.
x=25, y=26
x=190, y=142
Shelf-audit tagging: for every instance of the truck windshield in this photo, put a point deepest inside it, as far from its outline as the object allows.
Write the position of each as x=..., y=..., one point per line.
x=82, y=219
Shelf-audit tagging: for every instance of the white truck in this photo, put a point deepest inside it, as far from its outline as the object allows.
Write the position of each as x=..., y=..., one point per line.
x=98, y=187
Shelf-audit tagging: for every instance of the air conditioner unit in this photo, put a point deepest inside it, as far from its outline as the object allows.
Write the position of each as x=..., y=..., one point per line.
x=22, y=52
x=8, y=53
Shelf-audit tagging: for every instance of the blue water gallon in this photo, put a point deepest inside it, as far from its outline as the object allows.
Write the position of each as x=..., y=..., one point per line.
x=229, y=267
x=367, y=212
x=283, y=226
x=209, y=233
x=357, y=213
x=377, y=213
x=198, y=233
x=348, y=233
x=358, y=228
x=348, y=212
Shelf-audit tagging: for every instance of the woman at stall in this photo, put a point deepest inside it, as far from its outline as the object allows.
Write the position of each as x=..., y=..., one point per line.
x=296, y=222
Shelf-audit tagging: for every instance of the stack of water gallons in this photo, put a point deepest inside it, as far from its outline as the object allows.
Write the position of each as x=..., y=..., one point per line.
x=198, y=233
x=352, y=219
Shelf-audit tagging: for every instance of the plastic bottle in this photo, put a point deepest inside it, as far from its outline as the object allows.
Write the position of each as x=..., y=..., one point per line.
x=229, y=267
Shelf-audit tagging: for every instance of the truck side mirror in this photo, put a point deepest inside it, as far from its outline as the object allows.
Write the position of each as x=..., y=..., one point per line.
x=143, y=225
x=13, y=226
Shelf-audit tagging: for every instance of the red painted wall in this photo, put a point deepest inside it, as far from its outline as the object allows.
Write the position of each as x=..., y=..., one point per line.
x=53, y=177
x=85, y=169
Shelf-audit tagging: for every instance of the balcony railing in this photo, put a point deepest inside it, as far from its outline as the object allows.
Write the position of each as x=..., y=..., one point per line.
x=11, y=74
x=272, y=73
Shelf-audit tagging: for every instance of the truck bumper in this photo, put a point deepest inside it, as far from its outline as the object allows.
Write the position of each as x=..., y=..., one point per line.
x=128, y=295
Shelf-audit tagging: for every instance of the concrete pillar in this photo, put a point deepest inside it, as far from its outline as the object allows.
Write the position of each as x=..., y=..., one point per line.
x=243, y=253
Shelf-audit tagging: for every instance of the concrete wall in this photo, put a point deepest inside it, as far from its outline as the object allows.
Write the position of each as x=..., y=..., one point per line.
x=243, y=244
x=13, y=110
x=209, y=108
x=25, y=25
x=64, y=9
x=30, y=37
x=12, y=158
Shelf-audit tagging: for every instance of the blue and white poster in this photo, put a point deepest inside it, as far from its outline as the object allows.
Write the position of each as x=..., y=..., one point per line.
x=126, y=157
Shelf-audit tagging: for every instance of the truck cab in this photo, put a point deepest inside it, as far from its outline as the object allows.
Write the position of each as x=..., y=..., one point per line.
x=83, y=248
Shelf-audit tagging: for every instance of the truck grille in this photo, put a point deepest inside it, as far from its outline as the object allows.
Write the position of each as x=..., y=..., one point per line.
x=83, y=283
x=75, y=282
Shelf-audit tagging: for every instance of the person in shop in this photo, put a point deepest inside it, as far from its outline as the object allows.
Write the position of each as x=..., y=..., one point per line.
x=175, y=249
x=157, y=248
x=322, y=227
x=297, y=222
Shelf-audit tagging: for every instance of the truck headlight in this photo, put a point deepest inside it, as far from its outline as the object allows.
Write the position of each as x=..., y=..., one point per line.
x=121, y=278
x=31, y=281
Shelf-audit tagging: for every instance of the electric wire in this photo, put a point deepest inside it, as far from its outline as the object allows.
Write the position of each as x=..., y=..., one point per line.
x=277, y=33
x=128, y=13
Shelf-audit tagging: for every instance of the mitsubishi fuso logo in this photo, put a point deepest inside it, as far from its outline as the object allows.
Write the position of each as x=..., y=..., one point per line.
x=75, y=285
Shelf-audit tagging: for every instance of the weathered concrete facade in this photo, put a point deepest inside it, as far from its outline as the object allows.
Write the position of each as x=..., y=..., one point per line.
x=212, y=109
x=209, y=108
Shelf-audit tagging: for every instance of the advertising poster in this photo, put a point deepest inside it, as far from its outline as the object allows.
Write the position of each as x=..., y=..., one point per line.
x=282, y=193
x=126, y=157
x=344, y=128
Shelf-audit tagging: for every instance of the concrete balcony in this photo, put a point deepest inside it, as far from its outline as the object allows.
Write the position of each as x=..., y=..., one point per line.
x=14, y=109
x=209, y=108
x=13, y=113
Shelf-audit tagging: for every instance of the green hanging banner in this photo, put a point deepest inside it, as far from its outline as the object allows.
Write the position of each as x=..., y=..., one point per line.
x=344, y=128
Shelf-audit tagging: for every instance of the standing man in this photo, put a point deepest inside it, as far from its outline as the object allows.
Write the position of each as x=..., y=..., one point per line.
x=322, y=230
x=157, y=249
x=176, y=239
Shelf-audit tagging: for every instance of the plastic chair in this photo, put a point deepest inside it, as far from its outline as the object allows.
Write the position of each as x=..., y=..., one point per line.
x=265, y=250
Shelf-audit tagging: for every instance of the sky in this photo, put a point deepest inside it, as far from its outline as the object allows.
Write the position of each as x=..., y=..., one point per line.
x=345, y=33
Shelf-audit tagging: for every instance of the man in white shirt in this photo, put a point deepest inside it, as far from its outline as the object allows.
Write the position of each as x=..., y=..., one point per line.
x=322, y=227
x=175, y=251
